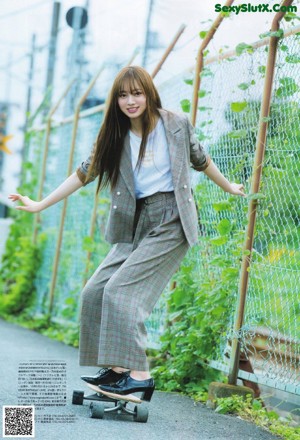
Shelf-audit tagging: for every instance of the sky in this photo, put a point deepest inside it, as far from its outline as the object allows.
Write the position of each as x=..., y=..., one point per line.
x=116, y=28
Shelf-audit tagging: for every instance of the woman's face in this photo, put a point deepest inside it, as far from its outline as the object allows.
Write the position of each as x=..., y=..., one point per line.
x=132, y=101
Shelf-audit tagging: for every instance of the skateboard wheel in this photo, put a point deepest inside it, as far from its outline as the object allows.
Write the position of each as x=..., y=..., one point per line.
x=97, y=411
x=140, y=414
x=77, y=398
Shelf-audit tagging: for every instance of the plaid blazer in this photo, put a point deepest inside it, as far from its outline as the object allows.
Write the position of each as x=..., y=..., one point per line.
x=185, y=152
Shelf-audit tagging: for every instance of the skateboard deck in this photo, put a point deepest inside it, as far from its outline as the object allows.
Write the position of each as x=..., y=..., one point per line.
x=125, y=397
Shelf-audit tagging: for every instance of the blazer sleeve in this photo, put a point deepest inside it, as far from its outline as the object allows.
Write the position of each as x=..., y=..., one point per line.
x=83, y=168
x=199, y=159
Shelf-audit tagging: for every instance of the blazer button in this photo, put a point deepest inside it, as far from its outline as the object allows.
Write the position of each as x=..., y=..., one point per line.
x=115, y=206
x=184, y=186
x=190, y=200
x=118, y=193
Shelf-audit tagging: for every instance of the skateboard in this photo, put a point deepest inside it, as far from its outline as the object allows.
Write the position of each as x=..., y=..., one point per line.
x=139, y=412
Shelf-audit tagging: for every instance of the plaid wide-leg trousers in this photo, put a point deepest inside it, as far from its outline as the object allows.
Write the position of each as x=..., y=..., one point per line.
x=124, y=289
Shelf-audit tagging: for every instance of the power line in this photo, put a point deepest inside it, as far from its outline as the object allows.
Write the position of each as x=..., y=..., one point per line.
x=20, y=11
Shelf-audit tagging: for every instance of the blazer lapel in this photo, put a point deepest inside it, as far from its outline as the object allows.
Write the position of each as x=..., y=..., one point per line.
x=126, y=166
x=174, y=134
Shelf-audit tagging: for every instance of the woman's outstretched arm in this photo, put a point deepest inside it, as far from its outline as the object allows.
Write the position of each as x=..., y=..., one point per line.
x=70, y=185
x=213, y=172
x=202, y=162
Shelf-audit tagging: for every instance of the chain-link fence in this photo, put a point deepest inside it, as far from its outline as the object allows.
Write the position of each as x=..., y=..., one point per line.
x=271, y=330
x=228, y=117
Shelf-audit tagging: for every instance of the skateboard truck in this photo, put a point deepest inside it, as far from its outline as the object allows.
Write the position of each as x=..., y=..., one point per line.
x=139, y=412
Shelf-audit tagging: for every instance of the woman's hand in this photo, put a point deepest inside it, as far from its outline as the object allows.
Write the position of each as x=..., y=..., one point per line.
x=237, y=189
x=29, y=205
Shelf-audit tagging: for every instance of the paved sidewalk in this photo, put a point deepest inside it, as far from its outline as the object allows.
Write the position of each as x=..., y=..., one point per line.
x=171, y=416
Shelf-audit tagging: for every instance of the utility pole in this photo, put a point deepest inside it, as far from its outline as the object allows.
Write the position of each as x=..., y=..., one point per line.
x=52, y=53
x=148, y=32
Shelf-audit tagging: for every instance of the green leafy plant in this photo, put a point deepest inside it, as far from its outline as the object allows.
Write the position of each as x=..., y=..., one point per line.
x=22, y=256
x=200, y=305
x=254, y=412
x=20, y=262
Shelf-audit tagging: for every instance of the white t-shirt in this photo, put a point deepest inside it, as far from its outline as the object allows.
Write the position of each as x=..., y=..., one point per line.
x=155, y=171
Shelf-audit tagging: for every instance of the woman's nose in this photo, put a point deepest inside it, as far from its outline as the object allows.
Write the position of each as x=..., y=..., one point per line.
x=130, y=99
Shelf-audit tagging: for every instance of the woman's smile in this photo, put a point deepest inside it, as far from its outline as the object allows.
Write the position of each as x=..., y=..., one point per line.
x=133, y=109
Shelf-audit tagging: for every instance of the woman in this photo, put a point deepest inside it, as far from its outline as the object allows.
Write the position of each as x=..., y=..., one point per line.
x=144, y=153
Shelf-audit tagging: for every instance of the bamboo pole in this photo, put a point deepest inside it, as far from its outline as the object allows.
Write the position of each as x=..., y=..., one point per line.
x=99, y=108
x=37, y=219
x=200, y=61
x=168, y=50
x=256, y=179
x=64, y=209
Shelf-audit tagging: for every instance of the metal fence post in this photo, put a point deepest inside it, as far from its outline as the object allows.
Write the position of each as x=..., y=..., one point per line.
x=256, y=178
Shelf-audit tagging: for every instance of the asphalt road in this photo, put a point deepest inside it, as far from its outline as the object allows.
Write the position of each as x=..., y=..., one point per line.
x=171, y=416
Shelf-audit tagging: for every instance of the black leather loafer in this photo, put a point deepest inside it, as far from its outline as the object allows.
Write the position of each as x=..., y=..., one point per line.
x=105, y=376
x=128, y=385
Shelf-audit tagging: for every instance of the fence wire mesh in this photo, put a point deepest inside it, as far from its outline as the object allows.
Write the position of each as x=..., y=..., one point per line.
x=56, y=171
x=228, y=118
x=227, y=122
x=272, y=322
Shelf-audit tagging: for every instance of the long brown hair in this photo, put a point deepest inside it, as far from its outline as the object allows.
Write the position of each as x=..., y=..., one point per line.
x=110, y=140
